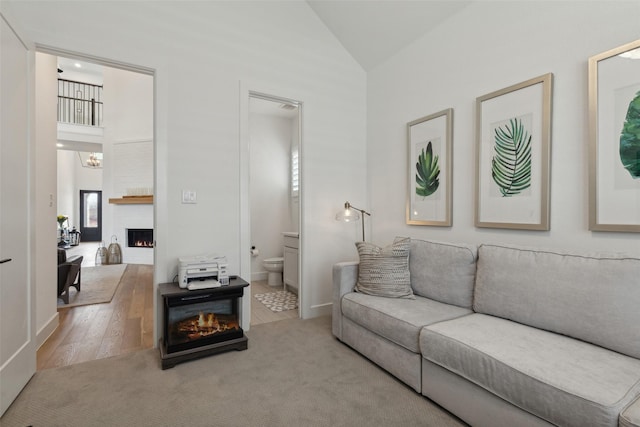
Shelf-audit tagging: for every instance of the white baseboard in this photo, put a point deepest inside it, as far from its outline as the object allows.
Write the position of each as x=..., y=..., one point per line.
x=319, y=310
x=45, y=332
x=260, y=275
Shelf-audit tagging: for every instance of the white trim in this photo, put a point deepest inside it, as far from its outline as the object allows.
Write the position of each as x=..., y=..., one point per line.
x=260, y=275
x=132, y=141
x=320, y=310
x=49, y=328
x=159, y=152
x=244, y=200
x=94, y=59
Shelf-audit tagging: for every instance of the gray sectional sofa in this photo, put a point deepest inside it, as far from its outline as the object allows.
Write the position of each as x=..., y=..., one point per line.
x=506, y=336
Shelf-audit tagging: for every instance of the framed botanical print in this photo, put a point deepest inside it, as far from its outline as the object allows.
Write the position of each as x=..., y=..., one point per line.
x=614, y=137
x=513, y=142
x=430, y=165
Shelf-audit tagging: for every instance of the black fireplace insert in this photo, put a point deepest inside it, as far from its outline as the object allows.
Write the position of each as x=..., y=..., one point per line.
x=195, y=320
x=140, y=237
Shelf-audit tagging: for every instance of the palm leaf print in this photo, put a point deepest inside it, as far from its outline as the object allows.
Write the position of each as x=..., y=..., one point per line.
x=511, y=165
x=428, y=171
x=630, y=139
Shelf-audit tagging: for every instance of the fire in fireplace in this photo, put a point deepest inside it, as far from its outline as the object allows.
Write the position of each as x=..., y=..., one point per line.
x=140, y=237
x=202, y=319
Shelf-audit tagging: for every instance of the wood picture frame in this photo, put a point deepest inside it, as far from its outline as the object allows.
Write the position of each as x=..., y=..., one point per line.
x=513, y=146
x=430, y=163
x=614, y=139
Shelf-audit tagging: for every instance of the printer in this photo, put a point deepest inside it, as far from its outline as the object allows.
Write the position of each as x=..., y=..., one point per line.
x=202, y=272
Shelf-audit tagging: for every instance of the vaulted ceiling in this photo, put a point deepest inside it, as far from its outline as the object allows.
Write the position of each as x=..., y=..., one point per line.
x=371, y=30
x=374, y=30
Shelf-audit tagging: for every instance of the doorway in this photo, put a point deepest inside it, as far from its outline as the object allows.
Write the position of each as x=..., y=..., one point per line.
x=91, y=162
x=91, y=215
x=274, y=128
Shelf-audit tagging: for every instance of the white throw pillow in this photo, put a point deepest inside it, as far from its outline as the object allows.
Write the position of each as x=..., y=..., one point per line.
x=385, y=271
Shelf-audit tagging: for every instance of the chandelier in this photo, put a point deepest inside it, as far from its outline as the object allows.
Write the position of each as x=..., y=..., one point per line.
x=93, y=161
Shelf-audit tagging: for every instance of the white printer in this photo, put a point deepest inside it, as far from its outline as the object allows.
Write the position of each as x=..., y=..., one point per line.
x=202, y=272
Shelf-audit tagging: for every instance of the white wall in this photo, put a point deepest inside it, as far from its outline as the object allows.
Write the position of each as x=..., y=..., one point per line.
x=128, y=152
x=270, y=147
x=203, y=53
x=486, y=47
x=67, y=163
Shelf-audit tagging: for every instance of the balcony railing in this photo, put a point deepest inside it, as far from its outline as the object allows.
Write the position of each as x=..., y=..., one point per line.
x=79, y=103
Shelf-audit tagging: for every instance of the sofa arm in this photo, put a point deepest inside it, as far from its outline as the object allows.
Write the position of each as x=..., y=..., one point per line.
x=345, y=275
x=630, y=417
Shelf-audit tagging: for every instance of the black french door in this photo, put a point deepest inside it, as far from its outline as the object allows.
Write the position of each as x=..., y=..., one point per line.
x=90, y=216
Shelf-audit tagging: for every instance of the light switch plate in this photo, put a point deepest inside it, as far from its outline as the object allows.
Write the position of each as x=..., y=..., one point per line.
x=189, y=196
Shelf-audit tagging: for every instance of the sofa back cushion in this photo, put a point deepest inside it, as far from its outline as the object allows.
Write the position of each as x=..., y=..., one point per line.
x=444, y=272
x=592, y=298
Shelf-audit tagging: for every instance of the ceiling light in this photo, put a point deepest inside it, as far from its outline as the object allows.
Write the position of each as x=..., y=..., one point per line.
x=77, y=65
x=93, y=160
x=90, y=160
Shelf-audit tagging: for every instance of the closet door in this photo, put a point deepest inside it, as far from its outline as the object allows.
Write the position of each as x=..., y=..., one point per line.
x=17, y=319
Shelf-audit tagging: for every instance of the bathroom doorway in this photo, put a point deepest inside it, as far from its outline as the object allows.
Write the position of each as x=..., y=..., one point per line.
x=274, y=192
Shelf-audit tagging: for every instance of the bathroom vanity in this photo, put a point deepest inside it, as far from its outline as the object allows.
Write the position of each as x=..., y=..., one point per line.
x=290, y=273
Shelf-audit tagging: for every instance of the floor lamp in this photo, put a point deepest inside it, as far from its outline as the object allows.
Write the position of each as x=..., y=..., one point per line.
x=351, y=213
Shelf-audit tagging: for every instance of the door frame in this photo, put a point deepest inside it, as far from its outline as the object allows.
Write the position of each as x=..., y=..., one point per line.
x=159, y=152
x=245, y=202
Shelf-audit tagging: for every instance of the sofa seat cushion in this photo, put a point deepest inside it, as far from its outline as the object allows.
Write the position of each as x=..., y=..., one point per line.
x=557, y=378
x=398, y=320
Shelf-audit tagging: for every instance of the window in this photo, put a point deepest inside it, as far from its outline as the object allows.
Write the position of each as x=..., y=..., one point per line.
x=295, y=179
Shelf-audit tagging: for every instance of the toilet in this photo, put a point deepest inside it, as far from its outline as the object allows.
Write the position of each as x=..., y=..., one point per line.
x=274, y=266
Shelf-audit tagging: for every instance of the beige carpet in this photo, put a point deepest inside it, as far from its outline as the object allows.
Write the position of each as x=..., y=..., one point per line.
x=98, y=285
x=294, y=373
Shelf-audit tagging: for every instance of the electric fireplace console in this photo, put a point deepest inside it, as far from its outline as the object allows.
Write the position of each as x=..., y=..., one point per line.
x=201, y=322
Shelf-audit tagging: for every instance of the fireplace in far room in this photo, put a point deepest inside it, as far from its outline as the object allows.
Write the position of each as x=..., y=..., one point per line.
x=140, y=237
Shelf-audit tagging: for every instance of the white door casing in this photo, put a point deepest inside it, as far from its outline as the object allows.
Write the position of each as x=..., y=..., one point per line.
x=17, y=313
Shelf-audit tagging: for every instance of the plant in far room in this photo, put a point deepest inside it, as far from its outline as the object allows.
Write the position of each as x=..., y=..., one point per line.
x=428, y=171
x=630, y=139
x=61, y=220
x=511, y=165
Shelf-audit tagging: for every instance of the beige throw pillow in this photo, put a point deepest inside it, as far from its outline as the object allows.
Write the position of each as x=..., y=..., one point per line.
x=385, y=271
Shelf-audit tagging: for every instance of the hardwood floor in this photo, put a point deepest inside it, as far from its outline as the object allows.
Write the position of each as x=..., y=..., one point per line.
x=97, y=331
x=125, y=324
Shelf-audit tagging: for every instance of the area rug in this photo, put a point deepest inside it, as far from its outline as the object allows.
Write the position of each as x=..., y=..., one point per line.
x=278, y=301
x=294, y=373
x=98, y=285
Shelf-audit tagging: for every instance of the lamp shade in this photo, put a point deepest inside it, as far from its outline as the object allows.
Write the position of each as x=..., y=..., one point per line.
x=351, y=213
x=348, y=214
